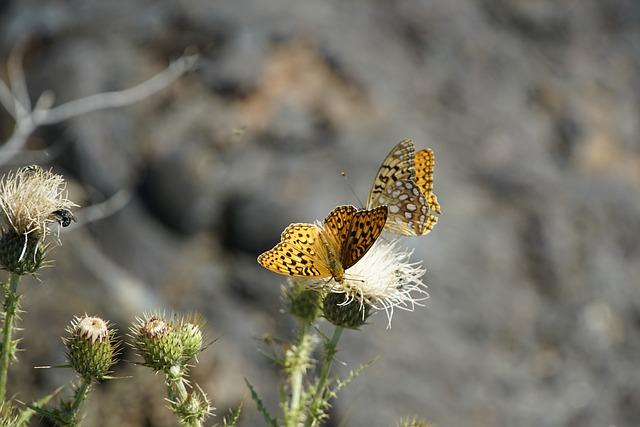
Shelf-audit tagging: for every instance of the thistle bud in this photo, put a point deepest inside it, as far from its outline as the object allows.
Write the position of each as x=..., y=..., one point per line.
x=351, y=315
x=158, y=342
x=195, y=407
x=191, y=337
x=304, y=303
x=91, y=349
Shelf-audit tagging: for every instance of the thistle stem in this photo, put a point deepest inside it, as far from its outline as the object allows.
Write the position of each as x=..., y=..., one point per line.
x=81, y=394
x=296, y=379
x=10, y=306
x=178, y=394
x=330, y=350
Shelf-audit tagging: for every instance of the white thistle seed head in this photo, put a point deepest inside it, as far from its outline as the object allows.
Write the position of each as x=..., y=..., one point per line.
x=383, y=278
x=31, y=198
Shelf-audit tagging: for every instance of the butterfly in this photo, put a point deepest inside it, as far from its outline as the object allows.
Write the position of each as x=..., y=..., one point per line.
x=328, y=249
x=404, y=183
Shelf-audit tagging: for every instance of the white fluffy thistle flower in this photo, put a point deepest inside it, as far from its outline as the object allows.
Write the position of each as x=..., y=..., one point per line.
x=385, y=279
x=31, y=198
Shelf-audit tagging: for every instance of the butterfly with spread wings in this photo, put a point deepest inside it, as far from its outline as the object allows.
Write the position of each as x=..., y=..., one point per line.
x=404, y=183
x=327, y=250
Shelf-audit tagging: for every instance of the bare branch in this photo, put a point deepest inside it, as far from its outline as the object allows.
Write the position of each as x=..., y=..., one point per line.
x=6, y=99
x=27, y=124
x=18, y=81
x=116, y=99
x=103, y=209
x=129, y=293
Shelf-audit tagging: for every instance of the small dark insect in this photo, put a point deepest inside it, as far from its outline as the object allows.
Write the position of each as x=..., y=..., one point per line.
x=63, y=216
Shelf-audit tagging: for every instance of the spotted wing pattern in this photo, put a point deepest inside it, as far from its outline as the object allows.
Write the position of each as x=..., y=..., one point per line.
x=365, y=228
x=337, y=226
x=396, y=167
x=310, y=251
x=299, y=253
x=424, y=165
x=394, y=186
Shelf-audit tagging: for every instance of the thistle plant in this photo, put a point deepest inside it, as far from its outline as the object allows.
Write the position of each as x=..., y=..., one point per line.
x=31, y=200
x=383, y=280
x=92, y=350
x=167, y=345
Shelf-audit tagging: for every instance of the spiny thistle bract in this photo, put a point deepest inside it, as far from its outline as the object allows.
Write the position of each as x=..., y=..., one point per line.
x=345, y=313
x=165, y=343
x=91, y=347
x=30, y=200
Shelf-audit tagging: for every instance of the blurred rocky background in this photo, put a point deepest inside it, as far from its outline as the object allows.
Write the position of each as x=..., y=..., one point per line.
x=532, y=108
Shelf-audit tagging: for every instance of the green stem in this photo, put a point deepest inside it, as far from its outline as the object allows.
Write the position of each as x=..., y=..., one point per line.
x=10, y=307
x=80, y=396
x=178, y=394
x=296, y=379
x=331, y=348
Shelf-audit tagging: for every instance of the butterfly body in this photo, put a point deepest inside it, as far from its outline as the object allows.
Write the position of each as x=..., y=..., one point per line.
x=404, y=183
x=327, y=250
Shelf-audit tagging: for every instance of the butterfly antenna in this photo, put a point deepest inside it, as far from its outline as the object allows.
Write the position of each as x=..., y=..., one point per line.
x=346, y=179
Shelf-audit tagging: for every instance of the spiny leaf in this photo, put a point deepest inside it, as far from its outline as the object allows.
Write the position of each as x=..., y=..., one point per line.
x=29, y=411
x=342, y=383
x=260, y=405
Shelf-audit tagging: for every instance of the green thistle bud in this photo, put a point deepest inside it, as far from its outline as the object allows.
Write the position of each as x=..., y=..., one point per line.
x=158, y=342
x=91, y=349
x=195, y=407
x=21, y=254
x=304, y=303
x=191, y=336
x=351, y=315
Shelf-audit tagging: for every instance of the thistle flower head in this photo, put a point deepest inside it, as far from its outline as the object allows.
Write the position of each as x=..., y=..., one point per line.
x=91, y=347
x=166, y=343
x=383, y=279
x=32, y=198
x=346, y=313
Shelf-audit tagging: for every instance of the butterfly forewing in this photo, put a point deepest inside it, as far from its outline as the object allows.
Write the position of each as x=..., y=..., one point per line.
x=300, y=253
x=337, y=224
x=396, y=167
x=364, y=229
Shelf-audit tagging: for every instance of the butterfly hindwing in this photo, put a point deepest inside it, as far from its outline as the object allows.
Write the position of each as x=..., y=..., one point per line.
x=300, y=253
x=424, y=166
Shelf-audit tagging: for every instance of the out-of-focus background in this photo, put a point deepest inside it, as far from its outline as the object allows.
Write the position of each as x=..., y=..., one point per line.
x=532, y=108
